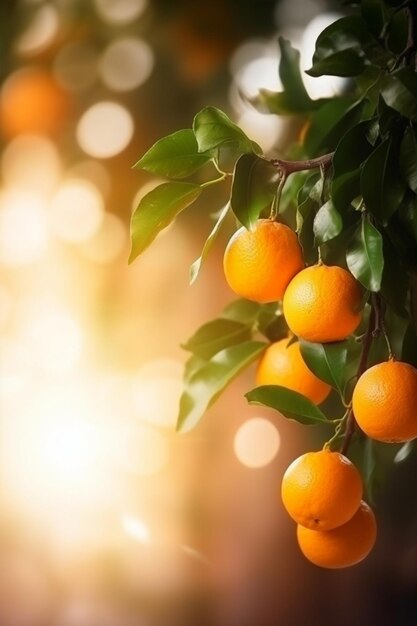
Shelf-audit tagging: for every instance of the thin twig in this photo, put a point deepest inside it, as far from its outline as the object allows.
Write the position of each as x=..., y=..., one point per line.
x=363, y=363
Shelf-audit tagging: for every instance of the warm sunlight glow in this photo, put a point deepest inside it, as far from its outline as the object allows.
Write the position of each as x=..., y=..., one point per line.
x=23, y=228
x=77, y=211
x=126, y=64
x=31, y=163
x=156, y=392
x=108, y=242
x=105, y=129
x=136, y=528
x=52, y=336
x=140, y=449
x=256, y=442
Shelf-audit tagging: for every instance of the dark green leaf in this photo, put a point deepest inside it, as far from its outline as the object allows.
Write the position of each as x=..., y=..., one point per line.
x=156, y=210
x=327, y=223
x=365, y=257
x=289, y=403
x=254, y=187
x=343, y=63
x=245, y=311
x=331, y=121
x=399, y=91
x=382, y=191
x=214, y=129
x=351, y=151
x=174, y=156
x=275, y=330
x=408, y=158
x=374, y=15
x=306, y=211
x=327, y=361
x=196, y=265
x=206, y=384
x=215, y=336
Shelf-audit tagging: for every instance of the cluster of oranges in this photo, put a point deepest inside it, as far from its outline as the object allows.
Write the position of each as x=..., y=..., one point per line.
x=322, y=491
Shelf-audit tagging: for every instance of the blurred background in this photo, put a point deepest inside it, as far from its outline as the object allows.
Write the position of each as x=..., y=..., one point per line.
x=107, y=517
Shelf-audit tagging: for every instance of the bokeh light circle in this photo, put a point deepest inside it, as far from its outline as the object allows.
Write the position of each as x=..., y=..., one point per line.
x=126, y=64
x=105, y=129
x=120, y=11
x=256, y=442
x=108, y=242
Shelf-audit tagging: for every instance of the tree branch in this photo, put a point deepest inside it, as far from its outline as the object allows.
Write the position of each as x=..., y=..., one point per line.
x=288, y=167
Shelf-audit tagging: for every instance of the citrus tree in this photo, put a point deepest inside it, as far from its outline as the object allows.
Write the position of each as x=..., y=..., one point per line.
x=324, y=262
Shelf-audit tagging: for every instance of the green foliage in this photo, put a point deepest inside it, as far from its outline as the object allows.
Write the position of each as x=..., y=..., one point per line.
x=357, y=208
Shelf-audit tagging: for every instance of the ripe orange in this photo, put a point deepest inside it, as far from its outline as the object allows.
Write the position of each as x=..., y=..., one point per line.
x=343, y=546
x=32, y=102
x=323, y=303
x=321, y=490
x=282, y=364
x=383, y=402
x=259, y=263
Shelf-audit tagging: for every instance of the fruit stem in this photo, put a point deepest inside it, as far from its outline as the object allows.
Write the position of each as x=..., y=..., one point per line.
x=363, y=362
x=277, y=199
x=288, y=167
x=380, y=327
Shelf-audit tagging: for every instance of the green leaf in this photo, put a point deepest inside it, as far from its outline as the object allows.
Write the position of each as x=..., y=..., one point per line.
x=408, y=158
x=327, y=361
x=289, y=403
x=174, y=156
x=216, y=335
x=327, y=223
x=365, y=257
x=382, y=190
x=214, y=129
x=343, y=63
x=351, y=151
x=156, y=210
x=206, y=384
x=399, y=91
x=306, y=211
x=331, y=121
x=243, y=310
x=254, y=187
x=196, y=265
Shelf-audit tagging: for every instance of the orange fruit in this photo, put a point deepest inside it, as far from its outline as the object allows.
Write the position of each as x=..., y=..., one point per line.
x=321, y=490
x=259, y=263
x=32, y=102
x=343, y=546
x=323, y=303
x=282, y=364
x=383, y=401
